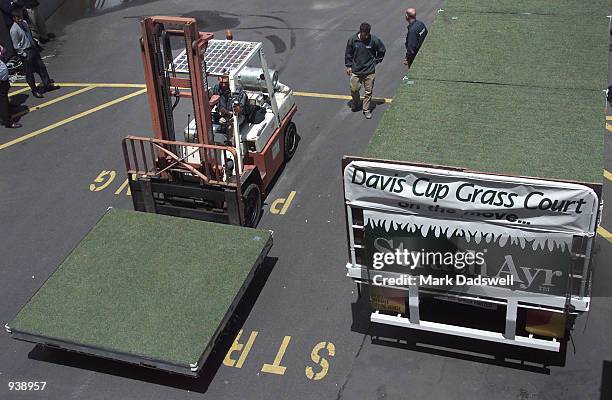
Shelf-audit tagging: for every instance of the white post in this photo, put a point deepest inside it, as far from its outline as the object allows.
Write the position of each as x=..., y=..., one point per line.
x=266, y=72
x=511, y=311
x=237, y=143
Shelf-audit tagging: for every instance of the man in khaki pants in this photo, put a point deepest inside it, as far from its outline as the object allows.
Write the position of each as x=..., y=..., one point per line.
x=363, y=52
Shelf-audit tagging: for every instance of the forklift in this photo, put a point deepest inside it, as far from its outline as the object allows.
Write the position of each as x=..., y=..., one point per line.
x=220, y=167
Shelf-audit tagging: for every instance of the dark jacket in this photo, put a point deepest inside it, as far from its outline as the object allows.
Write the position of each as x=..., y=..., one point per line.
x=417, y=31
x=362, y=56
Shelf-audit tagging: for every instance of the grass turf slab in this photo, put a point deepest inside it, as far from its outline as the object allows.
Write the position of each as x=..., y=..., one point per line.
x=543, y=7
x=491, y=128
x=525, y=50
x=145, y=284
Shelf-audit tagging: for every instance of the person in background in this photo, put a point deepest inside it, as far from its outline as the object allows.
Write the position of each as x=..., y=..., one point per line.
x=28, y=50
x=37, y=22
x=417, y=31
x=5, y=85
x=363, y=52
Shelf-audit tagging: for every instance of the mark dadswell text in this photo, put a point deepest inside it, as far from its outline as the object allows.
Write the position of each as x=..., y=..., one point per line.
x=446, y=280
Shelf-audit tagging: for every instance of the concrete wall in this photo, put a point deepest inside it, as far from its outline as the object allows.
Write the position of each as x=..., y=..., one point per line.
x=48, y=7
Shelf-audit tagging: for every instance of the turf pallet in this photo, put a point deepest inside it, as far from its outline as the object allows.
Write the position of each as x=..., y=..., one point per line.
x=146, y=289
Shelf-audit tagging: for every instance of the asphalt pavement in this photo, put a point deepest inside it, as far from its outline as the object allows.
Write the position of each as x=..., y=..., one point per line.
x=61, y=172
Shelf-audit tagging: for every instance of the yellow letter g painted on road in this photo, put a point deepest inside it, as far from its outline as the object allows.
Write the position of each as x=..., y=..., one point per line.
x=105, y=178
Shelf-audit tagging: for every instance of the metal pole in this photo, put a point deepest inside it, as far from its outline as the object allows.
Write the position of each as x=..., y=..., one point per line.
x=266, y=72
x=237, y=143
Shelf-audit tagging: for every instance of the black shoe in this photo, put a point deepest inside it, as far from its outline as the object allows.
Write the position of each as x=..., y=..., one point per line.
x=367, y=114
x=13, y=125
x=37, y=94
x=50, y=87
x=43, y=40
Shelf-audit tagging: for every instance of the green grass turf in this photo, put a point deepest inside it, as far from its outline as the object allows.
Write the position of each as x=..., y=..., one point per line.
x=526, y=50
x=491, y=128
x=145, y=284
x=537, y=108
x=554, y=7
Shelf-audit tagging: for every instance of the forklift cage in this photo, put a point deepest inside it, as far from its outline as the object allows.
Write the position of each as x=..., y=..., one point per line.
x=208, y=171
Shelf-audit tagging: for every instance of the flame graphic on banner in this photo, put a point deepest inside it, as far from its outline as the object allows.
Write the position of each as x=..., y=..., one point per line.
x=476, y=231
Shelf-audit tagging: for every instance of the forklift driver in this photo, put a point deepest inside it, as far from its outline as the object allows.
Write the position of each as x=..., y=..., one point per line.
x=228, y=104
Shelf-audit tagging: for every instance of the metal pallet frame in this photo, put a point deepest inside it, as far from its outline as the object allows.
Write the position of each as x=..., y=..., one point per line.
x=192, y=370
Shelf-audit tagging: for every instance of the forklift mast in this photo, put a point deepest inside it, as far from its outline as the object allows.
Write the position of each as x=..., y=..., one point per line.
x=163, y=85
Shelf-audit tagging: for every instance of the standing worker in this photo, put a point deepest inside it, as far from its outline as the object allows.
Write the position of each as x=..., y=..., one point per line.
x=28, y=50
x=417, y=31
x=5, y=85
x=363, y=52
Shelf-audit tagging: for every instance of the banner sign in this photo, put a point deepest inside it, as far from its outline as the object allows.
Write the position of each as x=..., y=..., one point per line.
x=453, y=259
x=520, y=203
x=453, y=229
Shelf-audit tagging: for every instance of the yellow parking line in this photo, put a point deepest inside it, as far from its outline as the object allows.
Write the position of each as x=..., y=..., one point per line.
x=142, y=85
x=336, y=96
x=604, y=233
x=102, y=85
x=70, y=119
x=609, y=127
x=608, y=175
x=48, y=103
x=608, y=117
x=25, y=89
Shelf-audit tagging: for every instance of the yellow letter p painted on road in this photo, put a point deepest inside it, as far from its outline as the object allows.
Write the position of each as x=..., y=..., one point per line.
x=274, y=207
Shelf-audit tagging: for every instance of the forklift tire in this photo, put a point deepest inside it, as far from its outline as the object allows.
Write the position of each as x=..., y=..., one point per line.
x=252, y=205
x=291, y=140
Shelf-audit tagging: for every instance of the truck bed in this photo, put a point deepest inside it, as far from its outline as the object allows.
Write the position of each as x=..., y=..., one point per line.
x=146, y=289
x=505, y=87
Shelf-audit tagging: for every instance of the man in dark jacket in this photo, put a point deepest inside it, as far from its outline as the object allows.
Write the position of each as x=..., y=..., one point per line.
x=363, y=52
x=417, y=31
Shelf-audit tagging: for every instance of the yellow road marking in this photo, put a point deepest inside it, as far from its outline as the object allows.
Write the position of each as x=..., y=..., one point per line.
x=276, y=367
x=608, y=175
x=608, y=117
x=125, y=184
x=320, y=361
x=102, y=85
x=336, y=96
x=609, y=127
x=25, y=89
x=604, y=233
x=244, y=350
x=48, y=103
x=70, y=119
x=286, y=202
x=142, y=85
